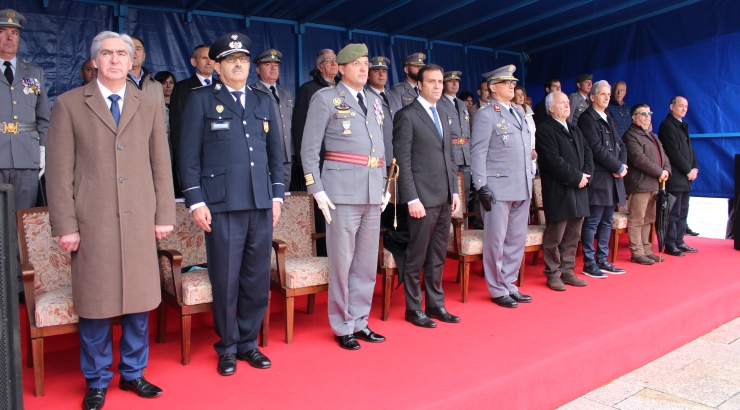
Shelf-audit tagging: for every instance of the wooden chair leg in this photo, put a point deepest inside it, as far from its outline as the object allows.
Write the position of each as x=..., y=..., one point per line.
x=387, y=291
x=615, y=245
x=459, y=272
x=289, y=307
x=264, y=334
x=464, y=281
x=185, y=327
x=520, y=280
x=29, y=348
x=311, y=303
x=535, y=256
x=37, y=351
x=162, y=322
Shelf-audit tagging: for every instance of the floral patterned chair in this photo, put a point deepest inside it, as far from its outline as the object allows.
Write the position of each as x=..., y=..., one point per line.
x=47, y=283
x=187, y=292
x=295, y=269
x=465, y=245
x=387, y=268
x=619, y=226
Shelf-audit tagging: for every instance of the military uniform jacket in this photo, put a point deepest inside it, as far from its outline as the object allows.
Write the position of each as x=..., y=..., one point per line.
x=20, y=104
x=351, y=132
x=460, y=128
x=389, y=111
x=500, y=153
x=230, y=162
x=405, y=91
x=283, y=116
x=578, y=105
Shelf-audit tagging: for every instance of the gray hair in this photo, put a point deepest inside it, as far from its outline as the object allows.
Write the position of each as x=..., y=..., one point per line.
x=596, y=85
x=320, y=55
x=550, y=100
x=105, y=35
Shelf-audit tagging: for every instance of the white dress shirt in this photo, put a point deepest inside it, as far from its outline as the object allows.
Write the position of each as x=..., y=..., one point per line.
x=106, y=93
x=13, y=66
x=203, y=79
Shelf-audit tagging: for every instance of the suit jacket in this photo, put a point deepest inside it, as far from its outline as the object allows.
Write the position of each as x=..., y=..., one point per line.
x=22, y=151
x=405, y=91
x=501, y=154
x=578, y=106
x=230, y=161
x=674, y=135
x=389, y=111
x=609, y=154
x=564, y=156
x=343, y=183
x=177, y=105
x=111, y=184
x=459, y=128
x=424, y=159
x=284, y=116
x=540, y=114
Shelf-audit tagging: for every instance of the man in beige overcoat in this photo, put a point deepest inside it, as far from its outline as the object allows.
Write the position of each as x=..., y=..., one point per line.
x=110, y=198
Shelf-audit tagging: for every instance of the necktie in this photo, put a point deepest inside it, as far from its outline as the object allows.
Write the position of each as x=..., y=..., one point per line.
x=457, y=108
x=238, y=95
x=436, y=121
x=207, y=81
x=416, y=90
x=8, y=72
x=274, y=94
x=385, y=98
x=362, y=103
x=511, y=110
x=114, y=109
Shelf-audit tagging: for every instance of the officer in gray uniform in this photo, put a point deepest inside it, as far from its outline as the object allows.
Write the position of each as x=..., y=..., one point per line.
x=24, y=112
x=579, y=100
x=459, y=119
x=349, y=191
x=376, y=81
x=502, y=174
x=267, y=66
x=408, y=89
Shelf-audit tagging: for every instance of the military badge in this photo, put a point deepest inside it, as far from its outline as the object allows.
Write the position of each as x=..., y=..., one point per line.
x=235, y=44
x=234, y=36
x=505, y=138
x=345, y=125
x=219, y=108
x=496, y=108
x=379, y=116
x=449, y=120
x=217, y=87
x=336, y=101
x=10, y=16
x=309, y=179
x=31, y=86
x=498, y=125
x=265, y=125
x=467, y=116
x=352, y=114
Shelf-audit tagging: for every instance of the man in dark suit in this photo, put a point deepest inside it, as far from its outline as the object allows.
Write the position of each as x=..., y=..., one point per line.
x=565, y=166
x=540, y=113
x=421, y=137
x=231, y=160
x=203, y=76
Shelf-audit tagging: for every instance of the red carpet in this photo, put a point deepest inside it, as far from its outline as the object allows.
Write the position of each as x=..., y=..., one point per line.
x=538, y=356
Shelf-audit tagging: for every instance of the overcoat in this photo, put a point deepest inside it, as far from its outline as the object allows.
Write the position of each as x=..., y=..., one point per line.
x=609, y=153
x=674, y=135
x=112, y=184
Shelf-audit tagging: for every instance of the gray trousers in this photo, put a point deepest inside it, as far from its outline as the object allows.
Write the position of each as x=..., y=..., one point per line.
x=287, y=173
x=25, y=184
x=352, y=246
x=504, y=238
x=559, y=245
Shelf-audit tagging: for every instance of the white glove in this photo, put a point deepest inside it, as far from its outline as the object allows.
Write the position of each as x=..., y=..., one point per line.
x=386, y=198
x=42, y=162
x=324, y=204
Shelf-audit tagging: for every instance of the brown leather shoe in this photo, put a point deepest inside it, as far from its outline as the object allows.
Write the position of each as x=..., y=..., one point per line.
x=570, y=278
x=642, y=260
x=555, y=284
x=656, y=258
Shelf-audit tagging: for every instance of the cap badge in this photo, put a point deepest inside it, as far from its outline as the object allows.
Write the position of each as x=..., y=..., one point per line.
x=219, y=108
x=235, y=44
x=234, y=36
x=511, y=68
x=10, y=16
x=273, y=53
x=421, y=56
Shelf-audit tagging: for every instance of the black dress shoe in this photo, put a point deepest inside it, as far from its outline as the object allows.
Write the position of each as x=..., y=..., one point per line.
x=518, y=297
x=505, y=301
x=440, y=313
x=141, y=387
x=347, y=342
x=690, y=232
x=368, y=335
x=94, y=399
x=673, y=251
x=227, y=364
x=687, y=249
x=255, y=358
x=418, y=318
x=22, y=298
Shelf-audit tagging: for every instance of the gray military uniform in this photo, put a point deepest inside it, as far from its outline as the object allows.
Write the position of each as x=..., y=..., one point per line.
x=406, y=91
x=460, y=131
x=578, y=105
x=356, y=191
x=24, y=112
x=284, y=114
x=501, y=159
x=389, y=110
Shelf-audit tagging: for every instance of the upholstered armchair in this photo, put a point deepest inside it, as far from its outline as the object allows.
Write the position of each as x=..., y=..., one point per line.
x=465, y=245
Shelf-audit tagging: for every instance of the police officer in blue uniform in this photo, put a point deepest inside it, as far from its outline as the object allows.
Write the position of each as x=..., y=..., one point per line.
x=231, y=166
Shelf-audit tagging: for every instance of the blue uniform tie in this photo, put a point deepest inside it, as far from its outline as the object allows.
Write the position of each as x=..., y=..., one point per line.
x=207, y=81
x=114, y=109
x=238, y=95
x=436, y=122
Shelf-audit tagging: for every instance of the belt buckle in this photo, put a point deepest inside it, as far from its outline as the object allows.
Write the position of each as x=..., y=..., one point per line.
x=461, y=141
x=10, y=127
x=372, y=162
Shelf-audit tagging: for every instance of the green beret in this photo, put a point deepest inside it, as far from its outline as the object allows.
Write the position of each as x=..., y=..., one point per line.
x=351, y=52
x=584, y=77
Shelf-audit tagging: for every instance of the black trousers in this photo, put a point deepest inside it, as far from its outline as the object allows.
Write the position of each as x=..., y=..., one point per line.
x=677, y=219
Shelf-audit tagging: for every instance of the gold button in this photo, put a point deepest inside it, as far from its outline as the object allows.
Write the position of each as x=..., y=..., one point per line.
x=15, y=102
x=285, y=136
x=15, y=117
x=12, y=88
x=373, y=149
x=366, y=122
x=283, y=126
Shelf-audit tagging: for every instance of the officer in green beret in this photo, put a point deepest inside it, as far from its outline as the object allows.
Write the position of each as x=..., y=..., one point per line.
x=409, y=89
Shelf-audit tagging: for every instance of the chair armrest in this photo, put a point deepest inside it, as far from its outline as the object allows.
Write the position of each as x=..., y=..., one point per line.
x=175, y=258
x=470, y=214
x=28, y=273
x=280, y=247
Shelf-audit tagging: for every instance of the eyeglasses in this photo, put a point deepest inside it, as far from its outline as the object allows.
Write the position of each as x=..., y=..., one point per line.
x=233, y=59
x=509, y=83
x=357, y=63
x=645, y=113
x=329, y=60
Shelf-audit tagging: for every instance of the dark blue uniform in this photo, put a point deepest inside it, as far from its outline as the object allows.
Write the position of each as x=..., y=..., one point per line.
x=233, y=162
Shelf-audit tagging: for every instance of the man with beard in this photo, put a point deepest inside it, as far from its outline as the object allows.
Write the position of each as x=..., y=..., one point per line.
x=409, y=89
